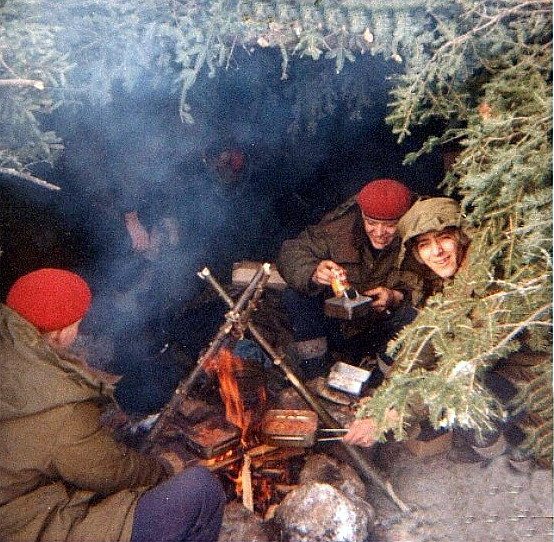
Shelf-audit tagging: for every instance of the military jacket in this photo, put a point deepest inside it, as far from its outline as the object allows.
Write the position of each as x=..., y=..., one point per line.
x=340, y=237
x=63, y=477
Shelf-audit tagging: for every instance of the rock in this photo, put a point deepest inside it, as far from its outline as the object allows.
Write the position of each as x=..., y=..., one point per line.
x=325, y=469
x=317, y=512
x=241, y=525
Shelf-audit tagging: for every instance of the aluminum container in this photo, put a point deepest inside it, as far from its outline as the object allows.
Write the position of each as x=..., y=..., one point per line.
x=290, y=428
x=348, y=378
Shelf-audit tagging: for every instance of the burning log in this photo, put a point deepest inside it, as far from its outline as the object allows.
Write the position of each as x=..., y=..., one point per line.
x=246, y=479
x=365, y=468
x=235, y=322
x=275, y=455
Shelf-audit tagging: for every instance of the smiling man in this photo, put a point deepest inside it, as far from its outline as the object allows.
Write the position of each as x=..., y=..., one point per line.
x=440, y=251
x=359, y=242
x=431, y=231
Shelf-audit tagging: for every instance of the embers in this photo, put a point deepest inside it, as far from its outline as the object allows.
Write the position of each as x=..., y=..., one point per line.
x=263, y=477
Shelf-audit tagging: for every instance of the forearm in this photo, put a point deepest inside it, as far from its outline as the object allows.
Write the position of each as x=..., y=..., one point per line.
x=297, y=268
x=87, y=456
x=299, y=258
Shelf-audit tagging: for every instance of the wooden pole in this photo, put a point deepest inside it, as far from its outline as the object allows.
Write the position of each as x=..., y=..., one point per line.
x=238, y=315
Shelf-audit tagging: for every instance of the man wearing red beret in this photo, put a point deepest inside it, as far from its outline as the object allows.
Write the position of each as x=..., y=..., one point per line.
x=356, y=241
x=63, y=477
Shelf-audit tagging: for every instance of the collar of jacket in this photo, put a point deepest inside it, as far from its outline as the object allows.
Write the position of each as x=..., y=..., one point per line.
x=35, y=378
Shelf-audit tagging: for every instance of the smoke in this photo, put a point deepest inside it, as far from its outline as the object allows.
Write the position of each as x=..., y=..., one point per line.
x=135, y=154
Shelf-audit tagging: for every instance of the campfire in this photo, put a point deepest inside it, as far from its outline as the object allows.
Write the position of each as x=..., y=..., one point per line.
x=242, y=388
x=228, y=437
x=259, y=451
x=255, y=471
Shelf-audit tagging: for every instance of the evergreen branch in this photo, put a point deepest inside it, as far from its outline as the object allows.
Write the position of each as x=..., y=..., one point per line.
x=418, y=352
x=39, y=85
x=508, y=338
x=431, y=69
x=191, y=78
x=9, y=172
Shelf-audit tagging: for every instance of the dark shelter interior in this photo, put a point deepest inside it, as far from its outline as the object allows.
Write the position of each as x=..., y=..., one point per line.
x=135, y=154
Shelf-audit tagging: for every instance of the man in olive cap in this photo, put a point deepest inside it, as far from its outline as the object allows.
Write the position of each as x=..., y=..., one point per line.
x=433, y=232
x=62, y=475
x=358, y=241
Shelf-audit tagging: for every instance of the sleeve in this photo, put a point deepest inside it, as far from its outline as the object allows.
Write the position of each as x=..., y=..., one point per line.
x=87, y=456
x=299, y=257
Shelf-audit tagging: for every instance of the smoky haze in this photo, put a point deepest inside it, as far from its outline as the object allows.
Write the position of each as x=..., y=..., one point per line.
x=135, y=154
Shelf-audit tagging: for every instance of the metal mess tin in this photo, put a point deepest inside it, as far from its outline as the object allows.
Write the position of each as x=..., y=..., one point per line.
x=209, y=440
x=347, y=309
x=348, y=378
x=290, y=427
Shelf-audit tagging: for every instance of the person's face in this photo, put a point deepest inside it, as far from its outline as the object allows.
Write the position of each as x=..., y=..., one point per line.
x=229, y=165
x=441, y=251
x=380, y=232
x=70, y=334
x=61, y=340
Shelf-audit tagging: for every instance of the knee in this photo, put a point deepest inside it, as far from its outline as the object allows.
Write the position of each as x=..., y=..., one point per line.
x=203, y=483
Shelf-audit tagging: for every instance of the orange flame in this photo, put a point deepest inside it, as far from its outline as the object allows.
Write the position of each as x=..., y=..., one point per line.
x=227, y=366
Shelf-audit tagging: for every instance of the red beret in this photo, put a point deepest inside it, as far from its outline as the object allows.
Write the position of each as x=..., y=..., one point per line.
x=50, y=299
x=384, y=199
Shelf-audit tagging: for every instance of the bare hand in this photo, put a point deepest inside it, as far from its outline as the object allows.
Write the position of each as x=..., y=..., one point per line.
x=384, y=298
x=140, y=238
x=326, y=271
x=361, y=432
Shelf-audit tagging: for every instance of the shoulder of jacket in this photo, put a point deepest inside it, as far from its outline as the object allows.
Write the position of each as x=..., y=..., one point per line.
x=348, y=208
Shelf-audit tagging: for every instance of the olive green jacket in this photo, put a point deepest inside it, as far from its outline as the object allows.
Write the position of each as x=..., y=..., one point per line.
x=340, y=237
x=62, y=476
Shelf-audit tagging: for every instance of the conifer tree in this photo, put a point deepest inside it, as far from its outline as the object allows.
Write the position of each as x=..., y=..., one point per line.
x=73, y=52
x=483, y=68
x=489, y=79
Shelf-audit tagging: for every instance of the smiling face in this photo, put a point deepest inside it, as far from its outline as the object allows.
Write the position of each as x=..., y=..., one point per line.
x=441, y=251
x=381, y=233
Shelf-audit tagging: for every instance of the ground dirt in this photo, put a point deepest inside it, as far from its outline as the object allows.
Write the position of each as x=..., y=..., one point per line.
x=453, y=496
x=454, y=501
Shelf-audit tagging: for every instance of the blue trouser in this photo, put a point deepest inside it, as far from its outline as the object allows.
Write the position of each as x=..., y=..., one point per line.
x=188, y=507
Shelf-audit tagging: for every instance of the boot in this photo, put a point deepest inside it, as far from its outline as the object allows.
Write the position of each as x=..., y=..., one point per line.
x=313, y=357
